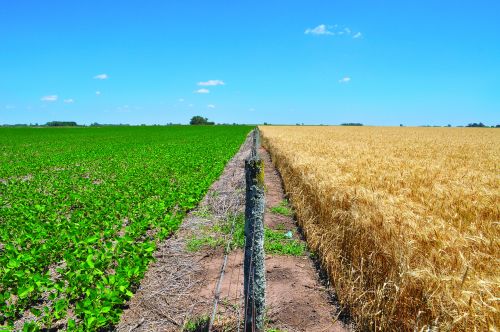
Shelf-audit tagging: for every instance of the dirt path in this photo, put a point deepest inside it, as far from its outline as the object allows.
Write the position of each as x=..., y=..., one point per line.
x=178, y=289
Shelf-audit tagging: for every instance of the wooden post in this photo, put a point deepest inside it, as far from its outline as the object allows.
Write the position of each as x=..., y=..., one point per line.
x=256, y=142
x=254, y=270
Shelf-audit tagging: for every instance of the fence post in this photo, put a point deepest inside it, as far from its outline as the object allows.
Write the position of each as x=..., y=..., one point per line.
x=256, y=142
x=254, y=270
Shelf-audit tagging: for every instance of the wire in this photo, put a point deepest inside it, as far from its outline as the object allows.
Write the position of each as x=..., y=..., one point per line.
x=221, y=277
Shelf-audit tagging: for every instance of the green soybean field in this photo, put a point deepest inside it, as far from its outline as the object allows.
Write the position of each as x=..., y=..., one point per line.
x=81, y=211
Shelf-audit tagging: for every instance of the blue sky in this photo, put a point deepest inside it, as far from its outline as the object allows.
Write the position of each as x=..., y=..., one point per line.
x=375, y=62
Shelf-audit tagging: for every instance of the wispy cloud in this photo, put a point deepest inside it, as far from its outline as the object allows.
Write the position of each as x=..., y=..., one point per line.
x=321, y=29
x=346, y=79
x=98, y=93
x=202, y=90
x=50, y=98
x=69, y=101
x=211, y=106
x=211, y=83
x=123, y=109
x=332, y=30
x=181, y=100
x=101, y=77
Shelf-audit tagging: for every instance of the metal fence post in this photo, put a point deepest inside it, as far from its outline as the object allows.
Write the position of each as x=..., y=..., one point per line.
x=254, y=270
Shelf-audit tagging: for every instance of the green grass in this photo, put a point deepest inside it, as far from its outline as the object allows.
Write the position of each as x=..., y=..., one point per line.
x=282, y=208
x=81, y=210
x=197, y=243
x=275, y=241
x=202, y=213
x=197, y=324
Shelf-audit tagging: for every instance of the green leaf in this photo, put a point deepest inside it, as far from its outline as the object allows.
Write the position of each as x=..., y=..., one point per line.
x=36, y=312
x=23, y=292
x=13, y=264
x=105, y=309
x=71, y=324
x=28, y=327
x=60, y=305
x=90, y=320
x=90, y=261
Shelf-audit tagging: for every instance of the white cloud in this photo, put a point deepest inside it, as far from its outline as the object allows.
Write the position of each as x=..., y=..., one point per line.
x=211, y=83
x=211, y=106
x=321, y=29
x=101, y=77
x=98, y=93
x=346, y=79
x=50, y=98
x=181, y=100
x=69, y=101
x=191, y=105
x=251, y=109
x=203, y=90
x=332, y=30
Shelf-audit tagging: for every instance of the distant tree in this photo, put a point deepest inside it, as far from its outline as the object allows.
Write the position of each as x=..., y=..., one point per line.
x=476, y=125
x=199, y=120
x=351, y=124
x=497, y=126
x=401, y=125
x=449, y=125
x=61, y=124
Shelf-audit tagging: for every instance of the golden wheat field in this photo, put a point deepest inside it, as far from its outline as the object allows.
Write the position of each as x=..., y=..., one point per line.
x=405, y=220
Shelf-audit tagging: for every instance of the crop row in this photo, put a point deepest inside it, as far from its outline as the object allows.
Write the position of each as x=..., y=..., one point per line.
x=81, y=210
x=405, y=220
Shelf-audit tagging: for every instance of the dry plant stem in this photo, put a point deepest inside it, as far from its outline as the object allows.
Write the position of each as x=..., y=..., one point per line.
x=405, y=220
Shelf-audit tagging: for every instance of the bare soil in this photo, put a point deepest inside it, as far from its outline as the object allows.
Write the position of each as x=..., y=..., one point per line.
x=180, y=286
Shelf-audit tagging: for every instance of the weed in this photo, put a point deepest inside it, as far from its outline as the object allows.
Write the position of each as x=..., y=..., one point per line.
x=282, y=208
x=196, y=243
x=203, y=212
x=277, y=243
x=198, y=324
x=280, y=227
